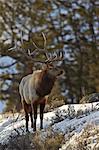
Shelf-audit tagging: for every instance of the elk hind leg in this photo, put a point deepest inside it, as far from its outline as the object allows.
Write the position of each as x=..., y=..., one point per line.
x=26, y=109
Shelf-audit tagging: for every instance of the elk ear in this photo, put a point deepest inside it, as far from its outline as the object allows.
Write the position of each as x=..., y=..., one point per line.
x=45, y=66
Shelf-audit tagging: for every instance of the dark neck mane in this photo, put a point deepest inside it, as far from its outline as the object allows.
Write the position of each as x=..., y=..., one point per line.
x=45, y=84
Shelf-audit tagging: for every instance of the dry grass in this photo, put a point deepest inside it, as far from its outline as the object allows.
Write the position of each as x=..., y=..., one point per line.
x=87, y=140
x=30, y=141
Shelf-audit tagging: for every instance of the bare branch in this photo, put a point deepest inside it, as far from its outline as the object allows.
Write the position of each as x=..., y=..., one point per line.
x=8, y=66
x=21, y=37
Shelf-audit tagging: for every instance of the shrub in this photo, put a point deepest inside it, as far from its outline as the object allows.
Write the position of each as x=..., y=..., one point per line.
x=34, y=141
x=87, y=140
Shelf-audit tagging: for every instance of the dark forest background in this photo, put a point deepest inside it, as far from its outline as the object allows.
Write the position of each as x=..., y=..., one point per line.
x=70, y=26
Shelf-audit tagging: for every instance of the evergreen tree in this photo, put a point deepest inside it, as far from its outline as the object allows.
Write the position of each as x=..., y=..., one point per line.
x=70, y=26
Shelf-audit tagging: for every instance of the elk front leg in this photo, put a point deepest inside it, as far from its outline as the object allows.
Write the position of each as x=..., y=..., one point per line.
x=35, y=115
x=42, y=106
x=31, y=119
x=27, y=119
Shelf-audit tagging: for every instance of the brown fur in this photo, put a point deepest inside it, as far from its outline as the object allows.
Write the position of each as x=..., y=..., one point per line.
x=45, y=84
x=27, y=107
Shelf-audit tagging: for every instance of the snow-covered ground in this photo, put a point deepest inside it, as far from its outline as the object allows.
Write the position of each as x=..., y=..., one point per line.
x=71, y=120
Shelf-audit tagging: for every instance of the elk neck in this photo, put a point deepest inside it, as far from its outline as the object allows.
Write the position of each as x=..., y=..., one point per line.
x=46, y=83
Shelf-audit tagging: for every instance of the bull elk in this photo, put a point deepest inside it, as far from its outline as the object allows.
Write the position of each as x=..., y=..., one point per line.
x=35, y=87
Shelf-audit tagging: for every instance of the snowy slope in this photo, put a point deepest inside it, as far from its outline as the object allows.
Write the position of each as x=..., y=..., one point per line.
x=68, y=119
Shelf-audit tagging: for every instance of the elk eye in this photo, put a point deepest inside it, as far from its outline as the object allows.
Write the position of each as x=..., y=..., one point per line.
x=61, y=72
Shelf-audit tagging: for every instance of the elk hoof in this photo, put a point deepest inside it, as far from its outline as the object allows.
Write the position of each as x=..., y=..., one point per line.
x=27, y=130
x=34, y=129
x=32, y=126
x=41, y=128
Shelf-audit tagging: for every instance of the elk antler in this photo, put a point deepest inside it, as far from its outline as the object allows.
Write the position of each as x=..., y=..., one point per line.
x=44, y=50
x=58, y=56
x=49, y=57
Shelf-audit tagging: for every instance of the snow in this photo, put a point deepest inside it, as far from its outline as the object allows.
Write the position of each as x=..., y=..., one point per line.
x=12, y=125
x=78, y=124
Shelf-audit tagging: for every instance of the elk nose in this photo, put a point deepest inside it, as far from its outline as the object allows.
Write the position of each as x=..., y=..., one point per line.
x=61, y=72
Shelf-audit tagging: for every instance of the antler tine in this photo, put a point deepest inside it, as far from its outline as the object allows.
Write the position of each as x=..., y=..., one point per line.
x=44, y=43
x=36, y=46
x=56, y=58
x=35, y=52
x=61, y=55
x=38, y=49
x=29, y=53
x=35, y=60
x=14, y=47
x=44, y=51
x=46, y=54
x=44, y=40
